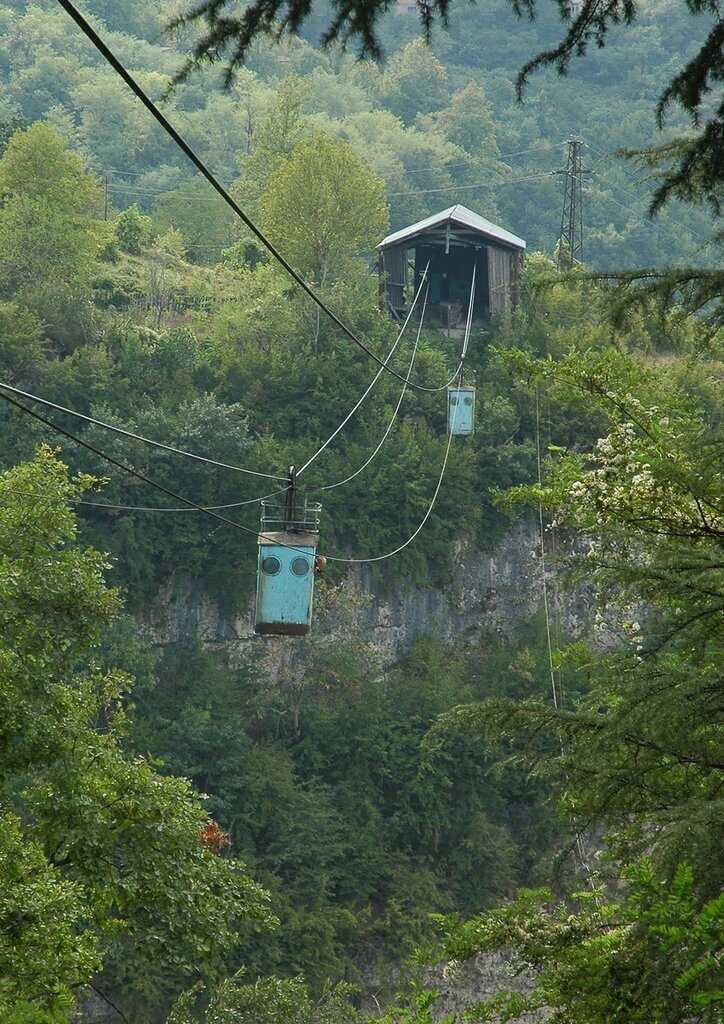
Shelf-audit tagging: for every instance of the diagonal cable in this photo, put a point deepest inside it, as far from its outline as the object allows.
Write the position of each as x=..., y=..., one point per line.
x=198, y=163
x=136, y=437
x=451, y=434
x=376, y=377
x=329, y=487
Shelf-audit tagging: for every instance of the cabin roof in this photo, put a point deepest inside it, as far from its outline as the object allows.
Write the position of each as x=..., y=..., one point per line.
x=458, y=215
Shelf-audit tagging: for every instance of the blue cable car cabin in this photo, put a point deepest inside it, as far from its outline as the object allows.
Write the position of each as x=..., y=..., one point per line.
x=285, y=571
x=461, y=410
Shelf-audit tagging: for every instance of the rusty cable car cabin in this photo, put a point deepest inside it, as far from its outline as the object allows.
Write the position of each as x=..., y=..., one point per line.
x=453, y=242
x=285, y=572
x=461, y=410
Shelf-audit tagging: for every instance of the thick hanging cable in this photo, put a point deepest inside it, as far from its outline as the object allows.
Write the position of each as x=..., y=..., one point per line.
x=469, y=322
x=140, y=476
x=579, y=841
x=136, y=437
x=389, y=554
x=376, y=377
x=198, y=163
x=153, y=508
x=546, y=609
x=329, y=487
x=161, y=508
x=451, y=434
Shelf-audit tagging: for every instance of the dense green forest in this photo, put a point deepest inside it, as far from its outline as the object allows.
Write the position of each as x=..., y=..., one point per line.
x=279, y=821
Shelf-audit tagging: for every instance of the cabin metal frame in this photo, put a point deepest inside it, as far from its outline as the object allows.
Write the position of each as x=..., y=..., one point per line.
x=453, y=242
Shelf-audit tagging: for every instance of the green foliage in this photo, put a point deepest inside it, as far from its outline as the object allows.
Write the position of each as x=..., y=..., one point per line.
x=112, y=856
x=414, y=82
x=132, y=230
x=42, y=956
x=268, y=1001
x=651, y=956
x=48, y=236
x=416, y=1006
x=21, y=352
x=205, y=223
x=321, y=228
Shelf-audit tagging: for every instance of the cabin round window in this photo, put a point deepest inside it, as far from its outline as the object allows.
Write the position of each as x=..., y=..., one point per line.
x=271, y=565
x=468, y=401
x=453, y=400
x=300, y=566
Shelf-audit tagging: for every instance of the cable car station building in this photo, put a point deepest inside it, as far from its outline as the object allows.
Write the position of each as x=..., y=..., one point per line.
x=454, y=242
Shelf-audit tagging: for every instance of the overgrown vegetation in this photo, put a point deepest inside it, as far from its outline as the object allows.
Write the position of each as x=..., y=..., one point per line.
x=361, y=796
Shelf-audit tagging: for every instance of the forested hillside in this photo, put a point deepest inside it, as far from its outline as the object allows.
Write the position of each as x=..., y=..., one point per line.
x=338, y=805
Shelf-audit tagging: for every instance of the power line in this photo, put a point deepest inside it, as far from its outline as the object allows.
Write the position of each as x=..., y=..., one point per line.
x=482, y=184
x=405, y=170
x=374, y=380
x=130, y=81
x=329, y=487
x=136, y=437
x=451, y=434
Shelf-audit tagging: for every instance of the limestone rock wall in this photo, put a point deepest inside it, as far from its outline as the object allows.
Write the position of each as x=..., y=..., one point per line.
x=488, y=591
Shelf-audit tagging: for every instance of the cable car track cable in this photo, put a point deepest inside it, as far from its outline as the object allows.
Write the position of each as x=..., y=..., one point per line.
x=151, y=508
x=133, y=472
x=376, y=377
x=451, y=434
x=136, y=437
x=201, y=508
x=329, y=487
x=389, y=554
x=148, y=103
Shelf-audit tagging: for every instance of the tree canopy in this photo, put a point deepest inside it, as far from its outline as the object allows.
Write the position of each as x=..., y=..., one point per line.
x=693, y=168
x=104, y=863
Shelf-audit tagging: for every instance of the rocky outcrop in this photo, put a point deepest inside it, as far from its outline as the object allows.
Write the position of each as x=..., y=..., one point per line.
x=490, y=591
x=462, y=985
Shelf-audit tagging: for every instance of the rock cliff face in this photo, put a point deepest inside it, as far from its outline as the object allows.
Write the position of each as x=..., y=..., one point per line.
x=491, y=590
x=479, y=979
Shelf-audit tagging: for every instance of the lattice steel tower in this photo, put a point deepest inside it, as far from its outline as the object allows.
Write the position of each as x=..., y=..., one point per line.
x=570, y=242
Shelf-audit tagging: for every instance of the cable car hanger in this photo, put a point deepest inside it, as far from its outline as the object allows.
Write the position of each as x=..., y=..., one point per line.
x=148, y=103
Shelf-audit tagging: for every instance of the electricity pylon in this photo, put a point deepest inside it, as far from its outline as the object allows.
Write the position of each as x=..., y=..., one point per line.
x=570, y=242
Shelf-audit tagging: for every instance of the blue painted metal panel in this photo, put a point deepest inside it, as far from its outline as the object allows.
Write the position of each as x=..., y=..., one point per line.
x=461, y=410
x=285, y=583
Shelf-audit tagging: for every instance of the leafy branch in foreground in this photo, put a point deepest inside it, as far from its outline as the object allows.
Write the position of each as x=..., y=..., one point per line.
x=652, y=957
x=644, y=747
x=641, y=752
x=102, y=859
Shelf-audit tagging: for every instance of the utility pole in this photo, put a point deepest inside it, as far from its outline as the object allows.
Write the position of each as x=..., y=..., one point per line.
x=570, y=242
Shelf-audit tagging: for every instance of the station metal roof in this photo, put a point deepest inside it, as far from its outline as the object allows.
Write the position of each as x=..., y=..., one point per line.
x=456, y=215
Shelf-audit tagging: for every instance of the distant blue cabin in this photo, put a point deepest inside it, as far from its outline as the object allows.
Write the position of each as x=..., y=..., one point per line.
x=461, y=410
